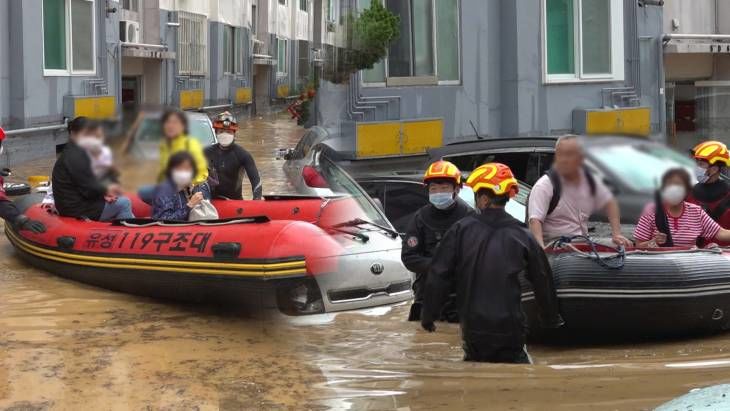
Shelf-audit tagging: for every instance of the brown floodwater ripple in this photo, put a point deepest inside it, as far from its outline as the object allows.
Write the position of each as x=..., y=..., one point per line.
x=67, y=346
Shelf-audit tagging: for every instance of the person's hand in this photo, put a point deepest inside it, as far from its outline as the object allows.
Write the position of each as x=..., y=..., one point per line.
x=113, y=190
x=428, y=326
x=22, y=222
x=660, y=238
x=620, y=240
x=195, y=199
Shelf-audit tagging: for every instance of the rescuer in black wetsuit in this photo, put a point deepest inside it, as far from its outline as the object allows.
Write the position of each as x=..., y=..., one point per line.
x=482, y=256
x=230, y=161
x=428, y=226
x=9, y=212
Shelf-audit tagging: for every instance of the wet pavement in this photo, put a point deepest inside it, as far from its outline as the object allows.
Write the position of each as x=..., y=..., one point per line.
x=67, y=346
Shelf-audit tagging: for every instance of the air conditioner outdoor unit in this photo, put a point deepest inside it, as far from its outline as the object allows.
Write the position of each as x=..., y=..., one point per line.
x=128, y=31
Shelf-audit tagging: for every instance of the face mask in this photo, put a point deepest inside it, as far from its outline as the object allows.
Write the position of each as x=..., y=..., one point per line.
x=674, y=194
x=701, y=175
x=182, y=178
x=88, y=142
x=442, y=201
x=225, y=139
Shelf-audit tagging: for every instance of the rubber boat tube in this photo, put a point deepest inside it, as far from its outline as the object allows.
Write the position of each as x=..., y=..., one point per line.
x=655, y=293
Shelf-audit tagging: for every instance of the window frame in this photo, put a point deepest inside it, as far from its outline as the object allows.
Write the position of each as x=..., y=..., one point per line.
x=202, y=21
x=279, y=73
x=421, y=81
x=304, y=3
x=616, y=38
x=234, y=46
x=69, y=71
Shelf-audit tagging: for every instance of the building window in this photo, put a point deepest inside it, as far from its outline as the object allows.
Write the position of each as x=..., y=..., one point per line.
x=331, y=11
x=232, y=50
x=281, y=60
x=583, y=40
x=303, y=5
x=428, y=47
x=192, y=42
x=282, y=2
x=131, y=5
x=68, y=37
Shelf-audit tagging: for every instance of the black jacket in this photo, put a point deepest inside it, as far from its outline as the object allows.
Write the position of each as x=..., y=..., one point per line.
x=76, y=191
x=484, y=255
x=423, y=234
x=230, y=164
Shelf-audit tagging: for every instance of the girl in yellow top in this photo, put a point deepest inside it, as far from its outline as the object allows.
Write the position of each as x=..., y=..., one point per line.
x=176, y=139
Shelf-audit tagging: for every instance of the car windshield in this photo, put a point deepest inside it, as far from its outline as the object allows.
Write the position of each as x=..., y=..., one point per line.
x=150, y=130
x=640, y=166
x=342, y=185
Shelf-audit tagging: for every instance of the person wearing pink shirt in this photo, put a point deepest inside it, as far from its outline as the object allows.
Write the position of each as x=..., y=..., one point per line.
x=562, y=201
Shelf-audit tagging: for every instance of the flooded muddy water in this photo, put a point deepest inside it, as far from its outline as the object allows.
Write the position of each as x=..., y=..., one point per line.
x=67, y=346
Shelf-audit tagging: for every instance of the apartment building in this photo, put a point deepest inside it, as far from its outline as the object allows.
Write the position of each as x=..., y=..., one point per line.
x=697, y=70
x=58, y=59
x=500, y=68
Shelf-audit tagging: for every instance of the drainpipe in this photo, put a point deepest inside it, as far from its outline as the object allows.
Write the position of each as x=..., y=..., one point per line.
x=37, y=129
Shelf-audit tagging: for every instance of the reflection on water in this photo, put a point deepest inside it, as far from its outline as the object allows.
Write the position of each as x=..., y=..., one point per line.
x=64, y=345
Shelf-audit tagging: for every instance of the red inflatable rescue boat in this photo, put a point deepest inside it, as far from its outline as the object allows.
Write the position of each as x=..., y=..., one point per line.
x=299, y=254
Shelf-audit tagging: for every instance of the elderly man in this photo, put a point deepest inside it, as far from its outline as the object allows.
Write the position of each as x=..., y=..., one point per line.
x=562, y=200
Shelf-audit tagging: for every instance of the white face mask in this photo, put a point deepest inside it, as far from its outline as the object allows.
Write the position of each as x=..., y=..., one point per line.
x=225, y=139
x=182, y=178
x=88, y=142
x=674, y=194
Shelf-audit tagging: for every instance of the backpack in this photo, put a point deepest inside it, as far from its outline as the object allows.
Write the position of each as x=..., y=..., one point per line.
x=558, y=190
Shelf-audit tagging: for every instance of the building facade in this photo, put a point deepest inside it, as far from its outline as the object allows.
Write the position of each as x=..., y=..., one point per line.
x=58, y=59
x=497, y=68
x=105, y=58
x=697, y=71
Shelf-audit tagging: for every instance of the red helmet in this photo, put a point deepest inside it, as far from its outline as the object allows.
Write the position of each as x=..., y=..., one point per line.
x=2, y=134
x=713, y=152
x=225, y=121
x=442, y=170
x=496, y=177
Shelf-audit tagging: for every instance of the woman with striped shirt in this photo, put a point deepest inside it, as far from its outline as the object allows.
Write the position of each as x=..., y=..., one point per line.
x=673, y=222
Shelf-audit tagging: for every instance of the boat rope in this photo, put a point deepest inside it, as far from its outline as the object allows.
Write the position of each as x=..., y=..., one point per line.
x=611, y=262
x=183, y=224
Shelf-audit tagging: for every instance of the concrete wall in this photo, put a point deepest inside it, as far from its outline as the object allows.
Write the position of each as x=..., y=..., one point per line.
x=502, y=91
x=694, y=16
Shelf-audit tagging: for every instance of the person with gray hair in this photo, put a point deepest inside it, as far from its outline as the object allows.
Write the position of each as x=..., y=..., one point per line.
x=562, y=200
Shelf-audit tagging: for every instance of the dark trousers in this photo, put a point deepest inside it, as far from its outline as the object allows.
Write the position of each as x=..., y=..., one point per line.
x=486, y=352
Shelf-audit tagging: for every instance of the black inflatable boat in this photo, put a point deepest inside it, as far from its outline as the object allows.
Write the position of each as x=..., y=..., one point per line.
x=637, y=293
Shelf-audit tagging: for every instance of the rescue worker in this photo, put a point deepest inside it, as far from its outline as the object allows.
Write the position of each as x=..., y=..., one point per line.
x=230, y=161
x=484, y=255
x=9, y=212
x=428, y=226
x=712, y=192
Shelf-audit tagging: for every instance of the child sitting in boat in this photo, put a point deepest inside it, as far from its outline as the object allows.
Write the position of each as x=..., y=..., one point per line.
x=672, y=221
x=173, y=199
